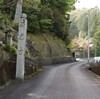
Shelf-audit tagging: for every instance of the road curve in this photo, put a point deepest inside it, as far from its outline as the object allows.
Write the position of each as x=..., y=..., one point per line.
x=67, y=81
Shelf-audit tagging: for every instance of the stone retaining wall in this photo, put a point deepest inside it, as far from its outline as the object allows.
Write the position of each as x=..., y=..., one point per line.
x=8, y=68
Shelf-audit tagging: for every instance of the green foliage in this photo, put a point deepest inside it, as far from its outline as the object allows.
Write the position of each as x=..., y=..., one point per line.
x=79, y=19
x=10, y=48
x=7, y=7
x=60, y=17
x=4, y=21
x=84, y=26
x=45, y=12
x=49, y=16
x=1, y=1
x=44, y=15
x=97, y=42
x=45, y=24
x=73, y=30
x=62, y=5
x=9, y=11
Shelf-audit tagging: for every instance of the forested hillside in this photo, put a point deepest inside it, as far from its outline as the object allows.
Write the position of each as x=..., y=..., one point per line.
x=44, y=17
x=79, y=28
x=47, y=34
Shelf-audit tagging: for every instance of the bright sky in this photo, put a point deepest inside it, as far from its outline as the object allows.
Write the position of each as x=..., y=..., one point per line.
x=87, y=3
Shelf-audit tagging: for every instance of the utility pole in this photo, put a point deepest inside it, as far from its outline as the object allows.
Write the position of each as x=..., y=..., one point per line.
x=88, y=37
x=95, y=53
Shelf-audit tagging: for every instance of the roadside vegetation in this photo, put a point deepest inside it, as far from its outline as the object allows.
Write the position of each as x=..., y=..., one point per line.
x=45, y=17
x=79, y=30
x=47, y=34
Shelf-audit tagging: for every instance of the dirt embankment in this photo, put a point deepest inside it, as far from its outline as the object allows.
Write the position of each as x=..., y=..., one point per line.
x=95, y=68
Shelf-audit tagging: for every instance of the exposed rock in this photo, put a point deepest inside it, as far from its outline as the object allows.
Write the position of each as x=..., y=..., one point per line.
x=32, y=49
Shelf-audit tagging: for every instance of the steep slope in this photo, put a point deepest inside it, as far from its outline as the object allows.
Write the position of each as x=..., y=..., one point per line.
x=46, y=46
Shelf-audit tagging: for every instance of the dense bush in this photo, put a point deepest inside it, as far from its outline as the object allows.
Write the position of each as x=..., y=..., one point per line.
x=10, y=48
x=43, y=15
x=49, y=16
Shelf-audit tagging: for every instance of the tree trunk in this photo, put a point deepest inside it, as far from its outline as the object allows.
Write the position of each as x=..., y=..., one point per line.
x=18, y=11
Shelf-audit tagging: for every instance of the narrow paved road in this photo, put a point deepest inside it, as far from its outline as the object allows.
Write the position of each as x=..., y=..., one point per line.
x=68, y=81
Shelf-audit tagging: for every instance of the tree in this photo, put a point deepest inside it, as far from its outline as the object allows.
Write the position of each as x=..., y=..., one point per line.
x=61, y=17
x=43, y=2
x=54, y=17
x=44, y=15
x=18, y=11
x=79, y=18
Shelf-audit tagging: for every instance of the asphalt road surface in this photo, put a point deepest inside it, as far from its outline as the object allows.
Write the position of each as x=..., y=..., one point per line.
x=67, y=81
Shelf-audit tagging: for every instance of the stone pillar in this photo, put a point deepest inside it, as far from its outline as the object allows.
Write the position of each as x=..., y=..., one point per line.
x=9, y=39
x=21, y=47
x=8, y=35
